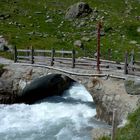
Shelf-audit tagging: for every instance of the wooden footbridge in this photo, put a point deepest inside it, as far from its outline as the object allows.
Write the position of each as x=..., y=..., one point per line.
x=68, y=59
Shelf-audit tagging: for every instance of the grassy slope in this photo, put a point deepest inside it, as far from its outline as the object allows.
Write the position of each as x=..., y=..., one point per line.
x=131, y=131
x=120, y=27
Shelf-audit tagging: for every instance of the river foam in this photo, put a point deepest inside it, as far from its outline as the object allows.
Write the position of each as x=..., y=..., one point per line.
x=56, y=118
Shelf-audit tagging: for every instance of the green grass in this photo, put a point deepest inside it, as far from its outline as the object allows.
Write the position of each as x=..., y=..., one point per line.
x=26, y=26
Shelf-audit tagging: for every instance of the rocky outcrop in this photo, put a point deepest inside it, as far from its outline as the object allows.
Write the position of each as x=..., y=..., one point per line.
x=132, y=86
x=109, y=95
x=49, y=85
x=79, y=9
x=14, y=79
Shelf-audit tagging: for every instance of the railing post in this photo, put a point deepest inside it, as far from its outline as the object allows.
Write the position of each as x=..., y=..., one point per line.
x=98, y=47
x=52, y=56
x=114, y=125
x=27, y=53
x=73, y=58
x=62, y=52
x=32, y=55
x=109, y=54
x=126, y=63
x=15, y=54
x=132, y=60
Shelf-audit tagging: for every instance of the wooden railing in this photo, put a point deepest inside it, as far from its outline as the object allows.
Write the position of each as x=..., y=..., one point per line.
x=32, y=56
x=68, y=58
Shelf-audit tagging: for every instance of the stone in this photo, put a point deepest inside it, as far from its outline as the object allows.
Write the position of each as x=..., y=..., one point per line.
x=78, y=43
x=138, y=29
x=85, y=38
x=40, y=88
x=132, y=86
x=48, y=20
x=79, y=9
x=4, y=16
x=97, y=133
x=3, y=44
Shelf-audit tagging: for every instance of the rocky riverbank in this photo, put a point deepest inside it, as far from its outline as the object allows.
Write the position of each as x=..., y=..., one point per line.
x=110, y=95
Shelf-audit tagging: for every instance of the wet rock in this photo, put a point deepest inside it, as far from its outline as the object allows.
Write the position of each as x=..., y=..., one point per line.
x=50, y=85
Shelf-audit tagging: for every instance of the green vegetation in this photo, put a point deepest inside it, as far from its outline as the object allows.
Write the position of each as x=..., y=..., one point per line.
x=42, y=25
x=131, y=131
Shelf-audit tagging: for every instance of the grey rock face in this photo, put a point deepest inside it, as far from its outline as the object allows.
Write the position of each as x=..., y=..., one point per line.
x=132, y=86
x=78, y=10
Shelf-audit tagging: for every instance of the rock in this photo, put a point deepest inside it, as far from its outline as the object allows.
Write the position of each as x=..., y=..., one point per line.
x=49, y=20
x=4, y=16
x=6, y=94
x=132, y=86
x=133, y=42
x=50, y=85
x=85, y=38
x=78, y=43
x=5, y=86
x=97, y=133
x=3, y=44
x=79, y=9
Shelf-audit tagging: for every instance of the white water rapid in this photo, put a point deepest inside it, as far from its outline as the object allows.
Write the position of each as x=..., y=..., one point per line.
x=56, y=118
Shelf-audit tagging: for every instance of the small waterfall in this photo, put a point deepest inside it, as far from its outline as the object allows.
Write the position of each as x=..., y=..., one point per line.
x=56, y=118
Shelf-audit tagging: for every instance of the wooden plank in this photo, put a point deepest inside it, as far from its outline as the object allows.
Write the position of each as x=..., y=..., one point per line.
x=24, y=61
x=101, y=60
x=137, y=73
x=60, y=58
x=41, y=57
x=22, y=50
x=61, y=62
x=137, y=68
x=137, y=62
x=42, y=51
x=24, y=57
x=63, y=52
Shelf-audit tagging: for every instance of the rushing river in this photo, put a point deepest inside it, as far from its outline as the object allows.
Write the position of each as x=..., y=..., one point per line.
x=57, y=118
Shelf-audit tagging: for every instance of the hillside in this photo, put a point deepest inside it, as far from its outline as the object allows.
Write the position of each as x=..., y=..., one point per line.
x=42, y=24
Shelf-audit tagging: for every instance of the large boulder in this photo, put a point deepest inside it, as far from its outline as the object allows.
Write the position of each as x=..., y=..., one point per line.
x=50, y=85
x=7, y=96
x=79, y=9
x=132, y=86
x=3, y=44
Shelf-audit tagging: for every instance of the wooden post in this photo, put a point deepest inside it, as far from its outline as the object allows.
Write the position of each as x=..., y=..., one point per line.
x=52, y=56
x=15, y=54
x=32, y=55
x=62, y=52
x=98, y=46
x=114, y=125
x=73, y=58
x=132, y=60
x=109, y=54
x=27, y=53
x=126, y=63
